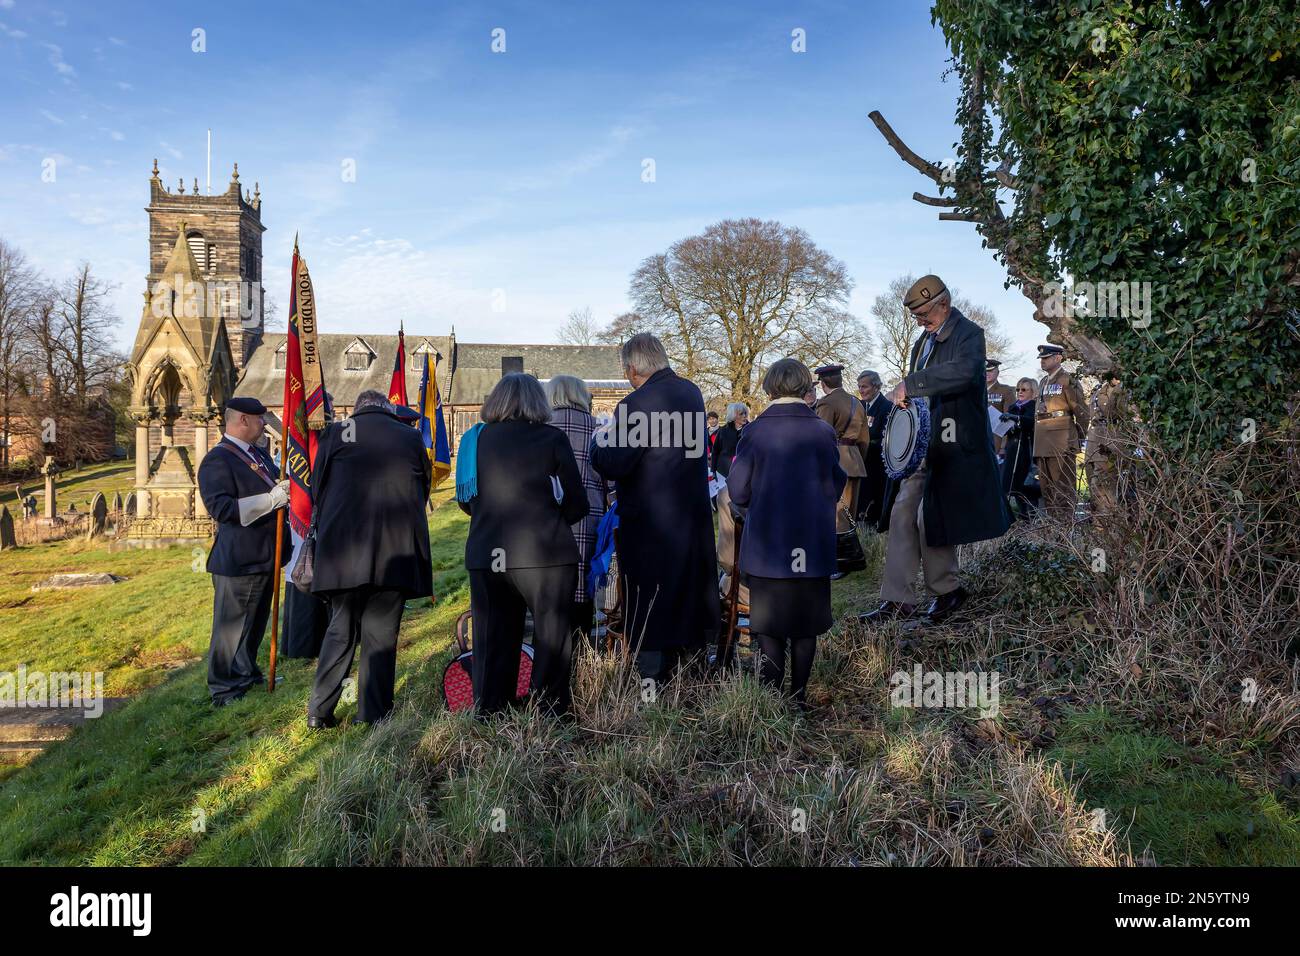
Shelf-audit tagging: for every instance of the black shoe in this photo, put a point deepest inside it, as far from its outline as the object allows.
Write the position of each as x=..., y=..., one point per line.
x=888, y=611
x=946, y=605
x=837, y=575
x=227, y=700
x=321, y=723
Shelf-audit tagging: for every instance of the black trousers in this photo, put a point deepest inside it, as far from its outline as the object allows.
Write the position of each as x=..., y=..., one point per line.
x=581, y=618
x=801, y=652
x=369, y=617
x=498, y=600
x=304, y=620
x=241, y=606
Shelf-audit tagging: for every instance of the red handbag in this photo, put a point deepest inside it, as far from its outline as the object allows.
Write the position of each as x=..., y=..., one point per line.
x=457, y=676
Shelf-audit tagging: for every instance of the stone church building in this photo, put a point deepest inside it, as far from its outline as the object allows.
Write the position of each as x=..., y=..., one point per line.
x=202, y=340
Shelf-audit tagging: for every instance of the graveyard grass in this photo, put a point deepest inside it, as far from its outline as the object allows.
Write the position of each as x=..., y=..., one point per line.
x=708, y=774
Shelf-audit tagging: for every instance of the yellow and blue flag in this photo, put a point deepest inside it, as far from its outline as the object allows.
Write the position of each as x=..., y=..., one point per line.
x=433, y=429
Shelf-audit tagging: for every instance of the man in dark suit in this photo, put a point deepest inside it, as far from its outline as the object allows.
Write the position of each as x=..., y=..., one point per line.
x=878, y=407
x=369, y=485
x=955, y=497
x=239, y=487
x=655, y=450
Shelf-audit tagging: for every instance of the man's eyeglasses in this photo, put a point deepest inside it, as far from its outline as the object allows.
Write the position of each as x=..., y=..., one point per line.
x=922, y=312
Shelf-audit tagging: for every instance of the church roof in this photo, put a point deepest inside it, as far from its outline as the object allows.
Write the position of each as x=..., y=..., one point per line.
x=478, y=366
x=263, y=381
x=476, y=369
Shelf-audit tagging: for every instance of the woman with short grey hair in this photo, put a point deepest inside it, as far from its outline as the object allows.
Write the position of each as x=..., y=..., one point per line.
x=517, y=479
x=724, y=447
x=571, y=414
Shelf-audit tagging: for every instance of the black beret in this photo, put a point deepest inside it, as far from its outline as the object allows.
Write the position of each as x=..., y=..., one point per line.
x=829, y=370
x=247, y=405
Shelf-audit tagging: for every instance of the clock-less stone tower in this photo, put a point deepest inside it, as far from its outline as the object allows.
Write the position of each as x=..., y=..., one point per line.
x=202, y=319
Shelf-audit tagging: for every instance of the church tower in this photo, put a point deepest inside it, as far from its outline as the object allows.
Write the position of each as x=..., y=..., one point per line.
x=202, y=318
x=224, y=232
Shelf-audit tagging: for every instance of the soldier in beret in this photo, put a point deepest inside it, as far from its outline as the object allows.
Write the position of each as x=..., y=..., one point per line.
x=1104, y=452
x=846, y=415
x=1060, y=423
x=239, y=484
x=955, y=496
x=1001, y=398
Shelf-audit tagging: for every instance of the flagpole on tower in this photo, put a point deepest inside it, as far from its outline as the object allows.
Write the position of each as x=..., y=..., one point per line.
x=209, y=162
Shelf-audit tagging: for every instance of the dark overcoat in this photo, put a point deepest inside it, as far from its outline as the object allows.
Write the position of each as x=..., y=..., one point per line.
x=369, y=497
x=665, y=537
x=787, y=474
x=963, y=490
x=225, y=476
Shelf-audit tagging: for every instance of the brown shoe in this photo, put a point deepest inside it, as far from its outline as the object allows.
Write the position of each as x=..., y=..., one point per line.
x=946, y=605
x=888, y=611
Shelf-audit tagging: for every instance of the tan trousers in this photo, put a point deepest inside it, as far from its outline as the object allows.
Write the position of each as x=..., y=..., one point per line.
x=1103, y=483
x=1057, y=478
x=847, y=507
x=906, y=549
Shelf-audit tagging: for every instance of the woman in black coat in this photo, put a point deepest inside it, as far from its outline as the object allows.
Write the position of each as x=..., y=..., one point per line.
x=1019, y=454
x=787, y=477
x=520, y=553
x=728, y=438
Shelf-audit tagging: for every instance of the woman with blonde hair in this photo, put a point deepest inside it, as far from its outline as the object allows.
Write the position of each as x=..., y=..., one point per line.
x=571, y=413
x=1019, y=451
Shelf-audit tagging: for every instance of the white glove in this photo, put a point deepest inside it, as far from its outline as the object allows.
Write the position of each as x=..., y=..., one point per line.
x=280, y=494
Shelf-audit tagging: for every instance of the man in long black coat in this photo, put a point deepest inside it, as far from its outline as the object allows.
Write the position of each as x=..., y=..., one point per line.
x=655, y=451
x=369, y=485
x=955, y=497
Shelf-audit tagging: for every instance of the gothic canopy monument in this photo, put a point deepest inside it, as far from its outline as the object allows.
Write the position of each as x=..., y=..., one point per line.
x=202, y=319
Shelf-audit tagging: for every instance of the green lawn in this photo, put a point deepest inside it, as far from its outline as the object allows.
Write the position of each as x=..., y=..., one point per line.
x=75, y=487
x=168, y=780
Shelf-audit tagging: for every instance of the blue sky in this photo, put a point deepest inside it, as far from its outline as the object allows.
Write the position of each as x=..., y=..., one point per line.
x=479, y=171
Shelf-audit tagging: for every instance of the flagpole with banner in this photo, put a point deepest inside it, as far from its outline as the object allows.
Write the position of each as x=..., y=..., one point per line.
x=397, y=387
x=303, y=415
x=433, y=428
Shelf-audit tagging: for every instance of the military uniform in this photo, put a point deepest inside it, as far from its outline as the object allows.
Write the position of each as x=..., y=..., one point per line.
x=845, y=414
x=1001, y=398
x=1060, y=422
x=1103, y=457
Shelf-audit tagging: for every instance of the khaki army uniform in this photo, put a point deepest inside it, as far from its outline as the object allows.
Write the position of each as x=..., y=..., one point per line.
x=1103, y=457
x=1001, y=397
x=845, y=414
x=1060, y=422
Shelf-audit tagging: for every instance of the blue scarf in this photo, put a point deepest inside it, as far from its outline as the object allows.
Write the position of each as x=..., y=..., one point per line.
x=467, y=464
x=598, y=568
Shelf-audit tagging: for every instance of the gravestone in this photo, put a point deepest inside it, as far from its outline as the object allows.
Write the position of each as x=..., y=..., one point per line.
x=29, y=506
x=128, y=506
x=50, y=471
x=117, y=503
x=98, y=516
x=7, y=539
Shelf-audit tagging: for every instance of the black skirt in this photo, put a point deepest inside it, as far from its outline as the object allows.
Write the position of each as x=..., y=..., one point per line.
x=789, y=607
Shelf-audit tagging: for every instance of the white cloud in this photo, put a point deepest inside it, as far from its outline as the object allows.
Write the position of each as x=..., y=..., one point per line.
x=15, y=34
x=57, y=120
x=171, y=150
x=125, y=86
x=6, y=4
x=61, y=66
x=117, y=41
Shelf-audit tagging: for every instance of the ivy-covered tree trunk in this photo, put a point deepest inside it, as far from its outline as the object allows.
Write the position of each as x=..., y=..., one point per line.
x=1136, y=167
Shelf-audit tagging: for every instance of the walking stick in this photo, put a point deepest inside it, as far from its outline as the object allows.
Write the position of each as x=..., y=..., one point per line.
x=275, y=583
x=733, y=596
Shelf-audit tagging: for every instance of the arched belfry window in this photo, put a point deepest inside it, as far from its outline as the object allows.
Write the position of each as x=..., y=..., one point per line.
x=199, y=249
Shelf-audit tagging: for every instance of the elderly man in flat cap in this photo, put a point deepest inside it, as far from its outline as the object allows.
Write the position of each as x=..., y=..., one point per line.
x=846, y=415
x=955, y=496
x=1060, y=424
x=239, y=484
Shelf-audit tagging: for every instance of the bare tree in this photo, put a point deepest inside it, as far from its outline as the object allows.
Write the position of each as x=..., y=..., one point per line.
x=621, y=328
x=20, y=285
x=84, y=339
x=997, y=342
x=740, y=294
x=580, y=328
x=895, y=329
